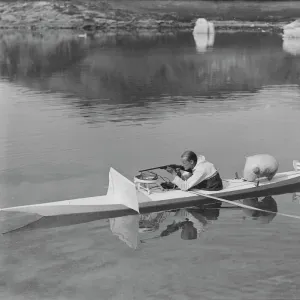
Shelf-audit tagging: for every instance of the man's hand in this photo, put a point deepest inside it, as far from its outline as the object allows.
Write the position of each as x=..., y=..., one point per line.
x=171, y=171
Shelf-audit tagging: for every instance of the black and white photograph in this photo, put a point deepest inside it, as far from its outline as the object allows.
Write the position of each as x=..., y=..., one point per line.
x=149, y=150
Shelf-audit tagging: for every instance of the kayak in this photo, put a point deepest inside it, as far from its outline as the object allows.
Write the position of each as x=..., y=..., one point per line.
x=144, y=195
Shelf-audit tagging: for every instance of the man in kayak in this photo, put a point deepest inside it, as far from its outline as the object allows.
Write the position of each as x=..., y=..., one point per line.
x=198, y=174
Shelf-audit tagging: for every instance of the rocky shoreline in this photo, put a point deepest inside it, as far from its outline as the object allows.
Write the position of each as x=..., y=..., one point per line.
x=102, y=17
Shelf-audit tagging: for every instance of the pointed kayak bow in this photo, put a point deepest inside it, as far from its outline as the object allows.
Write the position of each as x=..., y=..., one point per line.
x=121, y=192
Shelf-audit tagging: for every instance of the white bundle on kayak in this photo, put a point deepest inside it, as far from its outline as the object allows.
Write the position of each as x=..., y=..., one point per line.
x=260, y=165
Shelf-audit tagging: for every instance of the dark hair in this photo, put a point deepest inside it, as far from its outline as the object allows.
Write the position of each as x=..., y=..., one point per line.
x=189, y=155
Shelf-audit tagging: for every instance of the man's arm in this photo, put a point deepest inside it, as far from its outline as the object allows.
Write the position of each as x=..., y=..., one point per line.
x=196, y=178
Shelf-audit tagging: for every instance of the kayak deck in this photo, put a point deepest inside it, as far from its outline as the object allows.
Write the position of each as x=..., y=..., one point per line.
x=230, y=186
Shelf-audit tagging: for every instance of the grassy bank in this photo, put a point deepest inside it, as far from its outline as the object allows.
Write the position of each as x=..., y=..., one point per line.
x=263, y=11
x=155, y=14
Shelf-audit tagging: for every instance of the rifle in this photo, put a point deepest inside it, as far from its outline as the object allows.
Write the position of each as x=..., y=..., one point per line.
x=173, y=166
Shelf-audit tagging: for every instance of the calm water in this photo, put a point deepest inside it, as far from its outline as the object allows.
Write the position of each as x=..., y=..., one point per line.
x=71, y=108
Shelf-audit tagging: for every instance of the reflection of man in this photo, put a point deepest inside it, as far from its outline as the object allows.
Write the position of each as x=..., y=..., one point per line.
x=267, y=203
x=188, y=231
x=194, y=224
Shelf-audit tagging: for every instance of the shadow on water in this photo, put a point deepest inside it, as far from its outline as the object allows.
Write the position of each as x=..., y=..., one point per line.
x=137, y=71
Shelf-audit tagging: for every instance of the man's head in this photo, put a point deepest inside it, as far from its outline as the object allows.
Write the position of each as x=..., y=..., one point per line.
x=189, y=160
x=188, y=231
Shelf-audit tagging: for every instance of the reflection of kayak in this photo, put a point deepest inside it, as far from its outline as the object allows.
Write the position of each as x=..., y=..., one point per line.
x=124, y=198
